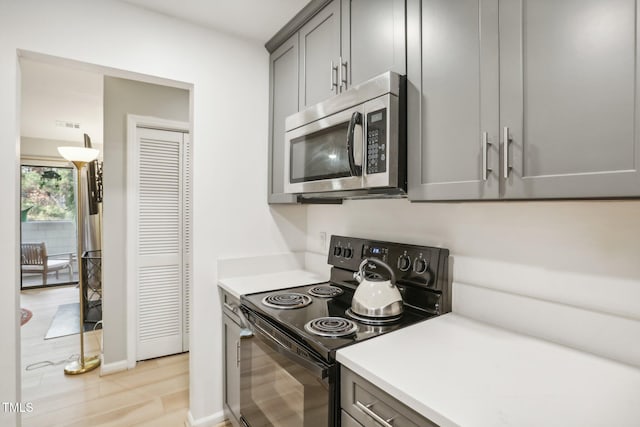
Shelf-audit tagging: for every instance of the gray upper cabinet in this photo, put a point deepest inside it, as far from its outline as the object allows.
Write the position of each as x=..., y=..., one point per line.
x=320, y=56
x=452, y=96
x=373, y=39
x=283, y=94
x=522, y=99
x=568, y=85
x=336, y=44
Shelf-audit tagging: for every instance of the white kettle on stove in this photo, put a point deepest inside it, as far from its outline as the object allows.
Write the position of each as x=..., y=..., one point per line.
x=375, y=296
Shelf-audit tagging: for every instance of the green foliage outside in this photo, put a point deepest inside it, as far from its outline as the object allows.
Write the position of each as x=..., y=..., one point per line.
x=48, y=193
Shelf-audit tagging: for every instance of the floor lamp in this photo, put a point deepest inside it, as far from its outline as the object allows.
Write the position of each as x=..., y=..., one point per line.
x=80, y=156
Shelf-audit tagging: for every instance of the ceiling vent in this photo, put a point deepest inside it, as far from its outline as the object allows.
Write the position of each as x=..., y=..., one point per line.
x=68, y=125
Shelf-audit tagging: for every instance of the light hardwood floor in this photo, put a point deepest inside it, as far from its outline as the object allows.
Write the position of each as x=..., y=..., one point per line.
x=155, y=393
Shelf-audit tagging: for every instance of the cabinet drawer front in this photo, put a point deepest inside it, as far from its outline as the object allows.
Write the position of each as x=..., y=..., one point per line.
x=370, y=406
x=230, y=305
x=348, y=421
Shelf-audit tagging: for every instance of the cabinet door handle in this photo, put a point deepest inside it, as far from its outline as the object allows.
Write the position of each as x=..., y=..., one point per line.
x=505, y=161
x=237, y=353
x=343, y=77
x=230, y=307
x=485, y=148
x=377, y=418
x=333, y=77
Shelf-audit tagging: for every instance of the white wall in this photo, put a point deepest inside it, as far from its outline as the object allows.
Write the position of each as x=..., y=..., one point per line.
x=229, y=111
x=9, y=220
x=600, y=238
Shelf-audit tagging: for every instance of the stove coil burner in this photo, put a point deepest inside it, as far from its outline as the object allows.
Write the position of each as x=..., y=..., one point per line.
x=374, y=321
x=331, y=327
x=325, y=291
x=286, y=300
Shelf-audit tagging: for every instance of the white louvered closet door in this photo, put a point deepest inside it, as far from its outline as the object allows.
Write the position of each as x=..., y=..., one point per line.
x=160, y=262
x=187, y=257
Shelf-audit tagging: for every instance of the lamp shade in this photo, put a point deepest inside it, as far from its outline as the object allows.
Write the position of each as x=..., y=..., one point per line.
x=78, y=154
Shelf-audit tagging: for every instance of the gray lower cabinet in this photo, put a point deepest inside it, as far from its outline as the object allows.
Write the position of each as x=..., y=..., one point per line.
x=363, y=404
x=320, y=56
x=373, y=39
x=522, y=99
x=231, y=364
x=283, y=101
x=347, y=420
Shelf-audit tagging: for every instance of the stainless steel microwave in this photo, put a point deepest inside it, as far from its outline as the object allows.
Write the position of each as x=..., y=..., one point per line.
x=351, y=145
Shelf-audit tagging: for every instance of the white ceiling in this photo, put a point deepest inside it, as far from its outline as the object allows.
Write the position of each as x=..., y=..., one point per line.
x=253, y=19
x=53, y=93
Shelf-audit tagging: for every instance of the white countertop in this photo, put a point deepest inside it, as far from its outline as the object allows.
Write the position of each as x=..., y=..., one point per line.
x=460, y=372
x=241, y=285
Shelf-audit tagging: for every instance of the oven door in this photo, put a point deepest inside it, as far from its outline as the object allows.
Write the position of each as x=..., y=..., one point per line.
x=326, y=154
x=280, y=383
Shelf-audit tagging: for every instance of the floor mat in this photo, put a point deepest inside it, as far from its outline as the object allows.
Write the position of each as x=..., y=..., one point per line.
x=66, y=321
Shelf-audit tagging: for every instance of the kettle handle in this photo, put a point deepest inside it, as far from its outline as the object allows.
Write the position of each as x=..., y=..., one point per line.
x=381, y=264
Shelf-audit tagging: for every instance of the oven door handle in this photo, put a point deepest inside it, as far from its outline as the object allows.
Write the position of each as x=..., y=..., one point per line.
x=356, y=119
x=314, y=367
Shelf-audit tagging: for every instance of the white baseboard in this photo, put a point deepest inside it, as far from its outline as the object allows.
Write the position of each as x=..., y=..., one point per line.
x=112, y=368
x=208, y=421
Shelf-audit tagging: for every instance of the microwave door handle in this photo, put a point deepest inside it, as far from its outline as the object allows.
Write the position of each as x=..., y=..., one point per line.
x=356, y=119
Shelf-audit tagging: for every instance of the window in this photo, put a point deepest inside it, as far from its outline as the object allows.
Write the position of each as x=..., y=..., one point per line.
x=47, y=193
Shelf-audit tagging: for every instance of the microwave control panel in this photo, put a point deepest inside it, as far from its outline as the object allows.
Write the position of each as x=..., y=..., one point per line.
x=377, y=142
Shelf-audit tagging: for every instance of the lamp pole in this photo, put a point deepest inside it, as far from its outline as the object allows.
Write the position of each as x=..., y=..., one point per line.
x=80, y=157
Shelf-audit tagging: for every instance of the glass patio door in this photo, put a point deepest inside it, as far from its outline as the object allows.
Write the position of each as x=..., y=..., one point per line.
x=48, y=226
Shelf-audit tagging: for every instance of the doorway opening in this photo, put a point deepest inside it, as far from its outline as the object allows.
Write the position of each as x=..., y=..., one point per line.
x=54, y=80
x=60, y=106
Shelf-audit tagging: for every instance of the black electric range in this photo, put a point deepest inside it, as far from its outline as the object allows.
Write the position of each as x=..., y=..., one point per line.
x=292, y=335
x=295, y=321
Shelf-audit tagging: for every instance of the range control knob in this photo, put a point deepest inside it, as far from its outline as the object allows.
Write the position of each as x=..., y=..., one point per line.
x=347, y=253
x=420, y=265
x=337, y=251
x=404, y=263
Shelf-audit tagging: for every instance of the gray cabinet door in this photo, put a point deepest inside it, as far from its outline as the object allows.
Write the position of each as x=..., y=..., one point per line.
x=568, y=85
x=319, y=56
x=373, y=39
x=453, y=99
x=283, y=101
x=232, y=366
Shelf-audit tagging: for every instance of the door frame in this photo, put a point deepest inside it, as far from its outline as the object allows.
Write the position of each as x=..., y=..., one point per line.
x=133, y=123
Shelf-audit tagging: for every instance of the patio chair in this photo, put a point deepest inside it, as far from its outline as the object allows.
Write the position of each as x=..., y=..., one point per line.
x=36, y=260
